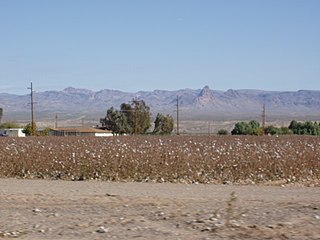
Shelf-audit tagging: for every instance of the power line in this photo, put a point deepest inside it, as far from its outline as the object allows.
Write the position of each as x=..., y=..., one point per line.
x=135, y=112
x=135, y=115
x=56, y=121
x=263, y=119
x=33, y=124
x=178, y=133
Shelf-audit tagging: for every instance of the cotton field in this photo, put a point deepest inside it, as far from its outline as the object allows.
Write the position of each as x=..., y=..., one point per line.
x=186, y=159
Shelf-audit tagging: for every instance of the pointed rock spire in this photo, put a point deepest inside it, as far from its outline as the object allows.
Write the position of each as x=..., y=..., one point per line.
x=205, y=97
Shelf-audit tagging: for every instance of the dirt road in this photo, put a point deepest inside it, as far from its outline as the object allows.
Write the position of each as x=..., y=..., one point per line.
x=39, y=209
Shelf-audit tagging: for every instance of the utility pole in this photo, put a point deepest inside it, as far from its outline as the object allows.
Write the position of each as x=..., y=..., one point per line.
x=56, y=121
x=263, y=119
x=135, y=115
x=33, y=124
x=178, y=133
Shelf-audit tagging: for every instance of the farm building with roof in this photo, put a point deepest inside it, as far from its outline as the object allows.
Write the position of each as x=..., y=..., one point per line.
x=80, y=131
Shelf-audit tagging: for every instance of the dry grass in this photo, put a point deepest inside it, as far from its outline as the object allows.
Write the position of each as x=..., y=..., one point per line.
x=203, y=159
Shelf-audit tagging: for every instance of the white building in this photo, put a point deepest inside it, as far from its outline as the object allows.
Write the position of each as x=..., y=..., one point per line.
x=81, y=131
x=12, y=132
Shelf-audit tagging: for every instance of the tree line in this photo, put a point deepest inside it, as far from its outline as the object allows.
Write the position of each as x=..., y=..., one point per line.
x=253, y=128
x=135, y=118
x=132, y=118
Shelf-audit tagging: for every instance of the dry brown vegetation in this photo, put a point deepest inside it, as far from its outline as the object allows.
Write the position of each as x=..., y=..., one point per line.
x=190, y=159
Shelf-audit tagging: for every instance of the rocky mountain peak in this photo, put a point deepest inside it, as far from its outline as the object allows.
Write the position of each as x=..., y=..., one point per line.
x=205, y=91
x=205, y=97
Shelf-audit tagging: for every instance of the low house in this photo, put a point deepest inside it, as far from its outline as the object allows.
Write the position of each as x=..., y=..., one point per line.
x=12, y=132
x=79, y=131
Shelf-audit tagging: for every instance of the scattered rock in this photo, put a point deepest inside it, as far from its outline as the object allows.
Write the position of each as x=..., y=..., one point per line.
x=53, y=215
x=102, y=229
x=206, y=229
x=14, y=234
x=36, y=210
x=110, y=195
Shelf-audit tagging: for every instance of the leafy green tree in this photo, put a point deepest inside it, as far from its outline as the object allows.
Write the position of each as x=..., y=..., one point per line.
x=138, y=116
x=254, y=124
x=293, y=126
x=163, y=124
x=29, y=130
x=254, y=127
x=132, y=118
x=271, y=130
x=306, y=128
x=114, y=121
x=240, y=128
x=285, y=131
x=244, y=128
x=312, y=128
x=128, y=113
x=144, y=117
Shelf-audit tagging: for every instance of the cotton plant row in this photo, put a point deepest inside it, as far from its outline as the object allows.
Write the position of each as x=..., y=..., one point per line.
x=187, y=159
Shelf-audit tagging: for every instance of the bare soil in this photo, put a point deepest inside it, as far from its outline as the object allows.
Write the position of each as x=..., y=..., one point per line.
x=42, y=209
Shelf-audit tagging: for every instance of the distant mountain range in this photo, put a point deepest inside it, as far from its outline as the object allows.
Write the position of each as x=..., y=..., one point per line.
x=197, y=104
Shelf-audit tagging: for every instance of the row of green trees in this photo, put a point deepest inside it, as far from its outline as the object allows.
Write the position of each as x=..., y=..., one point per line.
x=135, y=118
x=253, y=128
x=305, y=128
x=247, y=128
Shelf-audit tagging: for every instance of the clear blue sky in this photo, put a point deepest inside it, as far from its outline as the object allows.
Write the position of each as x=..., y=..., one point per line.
x=134, y=45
